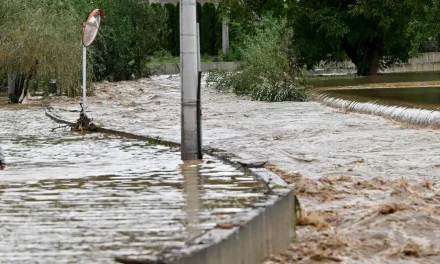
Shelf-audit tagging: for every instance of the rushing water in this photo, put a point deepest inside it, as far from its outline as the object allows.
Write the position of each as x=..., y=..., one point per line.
x=413, y=105
x=413, y=97
x=71, y=198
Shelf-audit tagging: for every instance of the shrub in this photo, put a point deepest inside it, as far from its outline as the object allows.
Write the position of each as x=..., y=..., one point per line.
x=265, y=73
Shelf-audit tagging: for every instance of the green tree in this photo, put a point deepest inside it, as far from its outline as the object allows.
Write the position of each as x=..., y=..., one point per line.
x=149, y=34
x=247, y=11
x=199, y=10
x=207, y=29
x=371, y=33
x=176, y=32
x=171, y=22
x=39, y=41
x=131, y=32
x=241, y=15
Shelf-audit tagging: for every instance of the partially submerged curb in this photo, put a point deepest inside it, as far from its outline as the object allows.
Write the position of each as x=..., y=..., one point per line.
x=246, y=237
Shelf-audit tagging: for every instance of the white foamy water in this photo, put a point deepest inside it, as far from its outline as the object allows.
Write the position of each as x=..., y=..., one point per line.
x=413, y=116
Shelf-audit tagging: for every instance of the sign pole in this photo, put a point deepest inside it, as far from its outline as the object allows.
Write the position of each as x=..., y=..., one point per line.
x=84, y=90
x=90, y=30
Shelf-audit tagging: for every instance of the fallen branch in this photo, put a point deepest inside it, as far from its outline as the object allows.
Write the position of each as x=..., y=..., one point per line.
x=53, y=129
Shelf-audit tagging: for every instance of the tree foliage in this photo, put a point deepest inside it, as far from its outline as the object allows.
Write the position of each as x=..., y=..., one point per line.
x=208, y=29
x=242, y=14
x=247, y=11
x=371, y=33
x=131, y=31
x=39, y=42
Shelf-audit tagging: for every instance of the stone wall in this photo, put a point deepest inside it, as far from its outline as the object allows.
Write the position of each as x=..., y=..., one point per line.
x=429, y=61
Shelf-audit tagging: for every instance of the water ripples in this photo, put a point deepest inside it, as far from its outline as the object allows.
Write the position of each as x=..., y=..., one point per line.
x=70, y=198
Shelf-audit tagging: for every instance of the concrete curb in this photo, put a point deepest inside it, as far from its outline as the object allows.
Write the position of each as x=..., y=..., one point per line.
x=244, y=238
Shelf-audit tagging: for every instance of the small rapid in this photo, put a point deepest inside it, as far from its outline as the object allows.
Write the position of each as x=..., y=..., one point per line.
x=413, y=116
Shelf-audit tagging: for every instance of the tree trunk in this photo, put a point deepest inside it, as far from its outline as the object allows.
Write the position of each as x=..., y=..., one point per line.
x=375, y=55
x=11, y=84
x=15, y=87
x=367, y=63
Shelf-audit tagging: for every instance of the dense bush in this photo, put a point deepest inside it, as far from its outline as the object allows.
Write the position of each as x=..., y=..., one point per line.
x=265, y=72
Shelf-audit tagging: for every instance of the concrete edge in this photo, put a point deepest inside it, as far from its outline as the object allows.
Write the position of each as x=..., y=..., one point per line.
x=246, y=237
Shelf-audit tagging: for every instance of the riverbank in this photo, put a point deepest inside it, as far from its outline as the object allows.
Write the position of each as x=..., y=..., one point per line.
x=367, y=184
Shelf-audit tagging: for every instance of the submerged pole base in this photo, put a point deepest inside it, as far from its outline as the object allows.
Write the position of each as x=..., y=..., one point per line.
x=84, y=123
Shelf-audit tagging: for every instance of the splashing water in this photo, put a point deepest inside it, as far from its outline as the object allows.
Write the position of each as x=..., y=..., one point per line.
x=413, y=116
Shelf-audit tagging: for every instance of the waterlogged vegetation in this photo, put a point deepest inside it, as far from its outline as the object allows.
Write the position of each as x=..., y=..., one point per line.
x=41, y=41
x=266, y=71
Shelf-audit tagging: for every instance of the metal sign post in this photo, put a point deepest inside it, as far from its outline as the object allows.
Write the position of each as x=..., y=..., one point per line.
x=90, y=30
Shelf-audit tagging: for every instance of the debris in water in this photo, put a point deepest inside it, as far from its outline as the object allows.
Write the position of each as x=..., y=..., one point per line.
x=391, y=208
x=313, y=218
x=84, y=123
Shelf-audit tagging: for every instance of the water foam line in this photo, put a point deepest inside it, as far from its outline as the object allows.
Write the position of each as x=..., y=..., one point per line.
x=413, y=116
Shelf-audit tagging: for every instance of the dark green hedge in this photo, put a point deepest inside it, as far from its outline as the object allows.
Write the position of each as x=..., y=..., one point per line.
x=210, y=29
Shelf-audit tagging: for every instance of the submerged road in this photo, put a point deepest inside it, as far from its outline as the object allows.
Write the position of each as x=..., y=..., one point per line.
x=359, y=177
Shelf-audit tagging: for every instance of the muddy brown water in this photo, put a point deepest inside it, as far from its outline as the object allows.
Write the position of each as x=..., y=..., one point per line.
x=72, y=198
x=344, y=165
x=334, y=81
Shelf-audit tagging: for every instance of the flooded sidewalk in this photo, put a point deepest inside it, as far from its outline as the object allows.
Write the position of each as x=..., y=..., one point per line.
x=367, y=184
x=67, y=197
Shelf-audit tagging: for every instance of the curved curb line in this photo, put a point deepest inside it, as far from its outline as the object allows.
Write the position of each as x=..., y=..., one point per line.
x=250, y=236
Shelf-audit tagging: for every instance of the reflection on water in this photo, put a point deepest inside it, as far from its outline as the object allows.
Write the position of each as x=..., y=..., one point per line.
x=192, y=188
x=417, y=97
x=70, y=198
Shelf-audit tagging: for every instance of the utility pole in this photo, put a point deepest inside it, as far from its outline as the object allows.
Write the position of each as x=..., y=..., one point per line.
x=190, y=92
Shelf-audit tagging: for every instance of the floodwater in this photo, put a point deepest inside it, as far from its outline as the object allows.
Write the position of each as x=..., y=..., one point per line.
x=368, y=186
x=320, y=82
x=72, y=198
